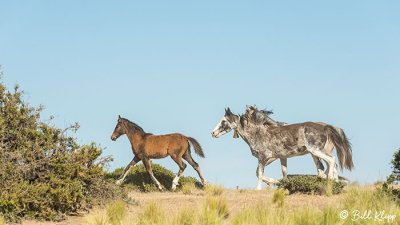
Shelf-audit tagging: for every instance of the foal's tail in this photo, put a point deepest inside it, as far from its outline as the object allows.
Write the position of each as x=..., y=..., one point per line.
x=196, y=146
x=342, y=145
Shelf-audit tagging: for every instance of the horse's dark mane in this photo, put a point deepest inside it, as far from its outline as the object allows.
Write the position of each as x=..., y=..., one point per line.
x=266, y=112
x=259, y=117
x=136, y=127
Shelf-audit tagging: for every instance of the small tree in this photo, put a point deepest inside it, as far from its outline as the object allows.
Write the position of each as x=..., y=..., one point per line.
x=395, y=176
x=44, y=172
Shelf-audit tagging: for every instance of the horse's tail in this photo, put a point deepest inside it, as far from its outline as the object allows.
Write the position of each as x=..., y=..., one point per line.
x=342, y=145
x=196, y=146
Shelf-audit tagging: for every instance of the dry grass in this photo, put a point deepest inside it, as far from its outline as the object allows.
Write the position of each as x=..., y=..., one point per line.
x=2, y=221
x=214, y=189
x=189, y=188
x=244, y=207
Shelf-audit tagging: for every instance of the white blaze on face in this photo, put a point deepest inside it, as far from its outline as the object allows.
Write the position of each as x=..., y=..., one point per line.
x=221, y=128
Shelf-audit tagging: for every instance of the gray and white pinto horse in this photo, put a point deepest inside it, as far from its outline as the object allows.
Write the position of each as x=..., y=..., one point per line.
x=267, y=142
x=262, y=117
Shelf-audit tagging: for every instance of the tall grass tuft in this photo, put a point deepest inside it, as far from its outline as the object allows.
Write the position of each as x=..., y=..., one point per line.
x=2, y=221
x=188, y=188
x=375, y=201
x=279, y=197
x=116, y=212
x=261, y=214
x=185, y=217
x=215, y=190
x=98, y=217
x=307, y=216
x=152, y=214
x=214, y=211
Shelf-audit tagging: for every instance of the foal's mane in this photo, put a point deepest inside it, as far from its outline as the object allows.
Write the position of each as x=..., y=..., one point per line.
x=135, y=127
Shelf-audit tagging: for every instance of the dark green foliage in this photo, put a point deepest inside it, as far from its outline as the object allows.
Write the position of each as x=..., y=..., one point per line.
x=44, y=172
x=139, y=179
x=309, y=184
x=394, y=178
x=396, y=167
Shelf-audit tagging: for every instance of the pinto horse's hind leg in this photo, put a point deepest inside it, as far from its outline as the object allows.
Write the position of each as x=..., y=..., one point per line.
x=320, y=166
x=195, y=166
x=284, y=167
x=182, y=167
x=130, y=165
x=329, y=159
x=146, y=162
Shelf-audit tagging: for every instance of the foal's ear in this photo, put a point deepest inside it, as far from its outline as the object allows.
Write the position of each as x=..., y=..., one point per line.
x=247, y=108
x=255, y=107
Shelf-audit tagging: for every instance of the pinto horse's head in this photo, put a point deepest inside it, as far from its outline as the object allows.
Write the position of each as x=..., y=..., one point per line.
x=119, y=129
x=227, y=123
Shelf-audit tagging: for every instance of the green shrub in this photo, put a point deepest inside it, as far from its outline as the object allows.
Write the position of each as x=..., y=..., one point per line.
x=311, y=185
x=139, y=179
x=44, y=172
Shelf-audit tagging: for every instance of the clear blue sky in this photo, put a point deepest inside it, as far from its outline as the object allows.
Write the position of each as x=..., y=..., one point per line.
x=173, y=66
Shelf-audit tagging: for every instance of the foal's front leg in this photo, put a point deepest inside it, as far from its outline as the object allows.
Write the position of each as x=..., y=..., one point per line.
x=130, y=165
x=146, y=162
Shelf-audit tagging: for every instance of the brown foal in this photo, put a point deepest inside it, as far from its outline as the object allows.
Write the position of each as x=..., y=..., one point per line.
x=146, y=146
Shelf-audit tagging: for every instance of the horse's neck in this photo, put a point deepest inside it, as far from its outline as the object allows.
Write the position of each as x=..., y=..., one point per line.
x=135, y=139
x=248, y=132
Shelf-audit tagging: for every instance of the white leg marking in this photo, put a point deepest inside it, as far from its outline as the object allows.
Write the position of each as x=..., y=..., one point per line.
x=175, y=182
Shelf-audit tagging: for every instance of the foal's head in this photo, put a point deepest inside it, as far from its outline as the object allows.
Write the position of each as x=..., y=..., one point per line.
x=227, y=123
x=119, y=129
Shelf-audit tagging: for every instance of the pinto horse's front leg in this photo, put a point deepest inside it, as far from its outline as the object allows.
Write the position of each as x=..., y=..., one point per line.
x=128, y=167
x=260, y=174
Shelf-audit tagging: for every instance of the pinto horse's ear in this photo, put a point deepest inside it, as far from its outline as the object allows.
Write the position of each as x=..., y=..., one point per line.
x=119, y=117
x=228, y=114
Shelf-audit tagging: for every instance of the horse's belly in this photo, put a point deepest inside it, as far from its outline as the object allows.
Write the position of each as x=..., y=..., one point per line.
x=289, y=152
x=158, y=154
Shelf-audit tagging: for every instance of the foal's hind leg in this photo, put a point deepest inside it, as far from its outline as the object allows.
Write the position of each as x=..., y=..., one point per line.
x=195, y=166
x=146, y=162
x=182, y=167
x=130, y=165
